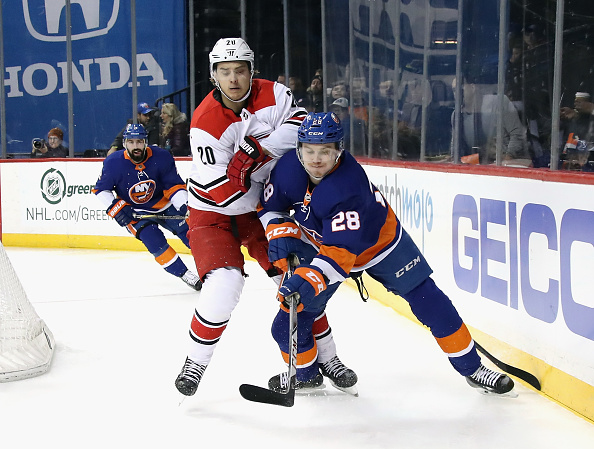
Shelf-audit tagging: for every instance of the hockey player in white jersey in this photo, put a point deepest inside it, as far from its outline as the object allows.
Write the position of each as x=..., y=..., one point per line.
x=236, y=134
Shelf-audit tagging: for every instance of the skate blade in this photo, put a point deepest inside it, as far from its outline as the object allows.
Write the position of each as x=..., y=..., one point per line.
x=510, y=394
x=310, y=391
x=348, y=390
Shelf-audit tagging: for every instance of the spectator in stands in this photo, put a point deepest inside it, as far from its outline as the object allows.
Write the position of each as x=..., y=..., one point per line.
x=175, y=131
x=538, y=82
x=409, y=141
x=382, y=135
x=340, y=107
x=579, y=120
x=315, y=93
x=513, y=75
x=478, y=128
x=360, y=99
x=148, y=118
x=577, y=125
x=296, y=86
x=305, y=103
x=339, y=90
x=52, y=147
x=385, y=100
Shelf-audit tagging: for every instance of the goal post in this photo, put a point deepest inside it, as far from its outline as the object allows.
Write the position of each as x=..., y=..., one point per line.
x=26, y=343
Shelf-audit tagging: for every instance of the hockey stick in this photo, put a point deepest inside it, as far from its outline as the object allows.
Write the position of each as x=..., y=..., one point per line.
x=530, y=379
x=264, y=395
x=159, y=216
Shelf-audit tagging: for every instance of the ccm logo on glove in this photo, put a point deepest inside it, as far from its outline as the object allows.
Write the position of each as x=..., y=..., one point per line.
x=288, y=229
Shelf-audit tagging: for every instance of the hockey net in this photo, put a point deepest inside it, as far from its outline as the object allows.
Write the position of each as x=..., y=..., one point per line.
x=26, y=344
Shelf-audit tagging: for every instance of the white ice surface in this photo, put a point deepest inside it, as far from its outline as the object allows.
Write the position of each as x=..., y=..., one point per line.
x=121, y=329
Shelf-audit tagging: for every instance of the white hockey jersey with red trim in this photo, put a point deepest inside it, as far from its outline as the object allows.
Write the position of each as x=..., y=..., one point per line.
x=271, y=116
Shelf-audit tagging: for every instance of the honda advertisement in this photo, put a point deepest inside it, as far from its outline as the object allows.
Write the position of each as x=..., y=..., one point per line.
x=35, y=59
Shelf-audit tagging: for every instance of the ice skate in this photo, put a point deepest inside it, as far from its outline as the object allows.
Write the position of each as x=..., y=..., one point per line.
x=491, y=382
x=341, y=377
x=279, y=383
x=192, y=280
x=189, y=378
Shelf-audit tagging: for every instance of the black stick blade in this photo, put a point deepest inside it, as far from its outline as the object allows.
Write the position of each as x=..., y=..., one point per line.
x=530, y=379
x=265, y=396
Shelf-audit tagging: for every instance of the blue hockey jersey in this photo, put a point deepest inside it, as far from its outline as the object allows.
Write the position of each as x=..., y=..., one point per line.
x=344, y=216
x=148, y=186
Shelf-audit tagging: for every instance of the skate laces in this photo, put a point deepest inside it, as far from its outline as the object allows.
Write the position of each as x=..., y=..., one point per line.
x=335, y=367
x=284, y=380
x=486, y=376
x=193, y=370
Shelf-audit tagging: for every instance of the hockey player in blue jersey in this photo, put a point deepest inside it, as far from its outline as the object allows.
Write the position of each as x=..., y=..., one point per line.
x=145, y=182
x=342, y=225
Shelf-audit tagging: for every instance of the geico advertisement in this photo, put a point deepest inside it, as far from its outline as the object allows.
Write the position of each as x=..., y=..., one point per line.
x=515, y=256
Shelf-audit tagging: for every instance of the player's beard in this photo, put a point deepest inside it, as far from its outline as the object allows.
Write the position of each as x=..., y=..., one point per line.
x=135, y=158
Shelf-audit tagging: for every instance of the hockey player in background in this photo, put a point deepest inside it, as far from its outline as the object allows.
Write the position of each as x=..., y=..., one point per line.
x=342, y=225
x=145, y=182
x=236, y=134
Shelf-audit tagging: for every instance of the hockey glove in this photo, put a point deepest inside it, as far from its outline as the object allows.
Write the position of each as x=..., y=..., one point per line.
x=183, y=210
x=307, y=280
x=121, y=212
x=244, y=161
x=284, y=238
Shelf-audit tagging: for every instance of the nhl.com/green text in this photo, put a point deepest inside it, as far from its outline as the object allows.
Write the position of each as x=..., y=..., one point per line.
x=82, y=213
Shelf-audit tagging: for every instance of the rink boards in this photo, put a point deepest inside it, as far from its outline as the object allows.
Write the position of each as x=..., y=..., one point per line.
x=513, y=248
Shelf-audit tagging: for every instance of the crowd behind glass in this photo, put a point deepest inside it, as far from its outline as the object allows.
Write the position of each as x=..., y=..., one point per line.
x=397, y=97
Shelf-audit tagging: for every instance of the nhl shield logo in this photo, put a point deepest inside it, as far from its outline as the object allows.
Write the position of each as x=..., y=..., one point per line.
x=53, y=186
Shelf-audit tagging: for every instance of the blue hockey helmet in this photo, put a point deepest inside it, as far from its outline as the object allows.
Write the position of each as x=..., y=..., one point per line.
x=321, y=127
x=134, y=131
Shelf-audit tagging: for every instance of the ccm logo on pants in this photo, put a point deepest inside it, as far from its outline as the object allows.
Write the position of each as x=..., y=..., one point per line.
x=409, y=266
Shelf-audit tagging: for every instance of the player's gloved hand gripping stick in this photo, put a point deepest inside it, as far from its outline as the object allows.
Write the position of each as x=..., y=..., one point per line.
x=243, y=162
x=287, y=399
x=121, y=212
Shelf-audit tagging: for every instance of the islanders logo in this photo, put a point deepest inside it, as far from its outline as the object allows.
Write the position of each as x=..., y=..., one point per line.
x=142, y=192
